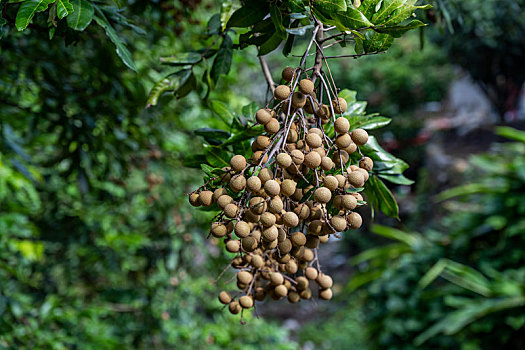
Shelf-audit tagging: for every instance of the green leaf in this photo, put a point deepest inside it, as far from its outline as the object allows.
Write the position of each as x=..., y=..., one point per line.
x=383, y=199
x=297, y=7
x=412, y=240
x=329, y=7
x=404, y=12
x=187, y=84
x=213, y=136
x=249, y=14
x=368, y=7
x=381, y=157
x=386, y=253
x=27, y=11
x=398, y=31
x=511, y=133
x=473, y=188
x=222, y=110
x=246, y=134
x=82, y=15
x=387, y=7
x=64, y=8
x=353, y=19
x=376, y=42
x=182, y=59
x=194, y=161
x=227, y=10
x=277, y=19
x=157, y=90
x=397, y=179
x=121, y=49
x=223, y=60
x=368, y=122
x=249, y=110
x=216, y=157
x=299, y=31
x=269, y=45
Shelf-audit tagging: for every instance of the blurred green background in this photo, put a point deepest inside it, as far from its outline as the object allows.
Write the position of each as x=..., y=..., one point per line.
x=99, y=248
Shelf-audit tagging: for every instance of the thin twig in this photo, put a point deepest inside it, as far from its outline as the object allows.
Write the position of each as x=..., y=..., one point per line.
x=267, y=74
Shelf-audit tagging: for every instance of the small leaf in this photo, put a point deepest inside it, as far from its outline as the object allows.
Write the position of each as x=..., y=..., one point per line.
x=353, y=19
x=121, y=49
x=376, y=42
x=277, y=19
x=181, y=59
x=383, y=199
x=397, y=179
x=397, y=31
x=213, y=136
x=269, y=45
x=156, y=91
x=368, y=122
x=299, y=31
x=249, y=14
x=387, y=7
x=64, y=8
x=227, y=10
x=82, y=15
x=27, y=11
x=222, y=110
x=223, y=60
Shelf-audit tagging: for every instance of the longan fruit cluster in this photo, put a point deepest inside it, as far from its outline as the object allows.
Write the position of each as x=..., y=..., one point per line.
x=296, y=188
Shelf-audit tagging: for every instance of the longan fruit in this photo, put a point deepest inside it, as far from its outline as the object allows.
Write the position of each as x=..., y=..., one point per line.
x=290, y=219
x=340, y=105
x=303, y=211
x=308, y=255
x=351, y=148
x=340, y=155
x=306, y=86
x=259, y=294
x=288, y=187
x=272, y=188
x=231, y=210
x=360, y=137
x=343, y=141
x=272, y=127
x=233, y=246
x=226, y=176
x=341, y=179
x=246, y=302
x=238, y=183
x=292, y=136
x=257, y=205
x=263, y=116
x=324, y=239
x=262, y=141
x=276, y=205
x=302, y=283
x=298, y=239
x=293, y=297
x=298, y=251
x=257, y=261
x=298, y=100
x=267, y=219
x=244, y=277
x=322, y=195
x=218, y=230
x=348, y=202
x=324, y=281
x=325, y=294
x=234, y=307
x=219, y=192
x=309, y=108
x=354, y=220
x=224, y=297
x=288, y=74
x=326, y=163
x=330, y=182
x=249, y=244
x=276, y=278
x=265, y=175
x=314, y=140
x=342, y=125
x=291, y=267
x=312, y=242
x=284, y=160
x=242, y=229
x=195, y=200
x=270, y=234
x=285, y=246
x=312, y=160
x=316, y=131
x=338, y=223
x=356, y=179
x=238, y=163
x=366, y=163
x=297, y=157
x=281, y=92
x=260, y=157
x=311, y=273
x=281, y=291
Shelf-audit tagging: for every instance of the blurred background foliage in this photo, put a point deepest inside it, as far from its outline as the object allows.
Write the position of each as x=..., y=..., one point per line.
x=99, y=248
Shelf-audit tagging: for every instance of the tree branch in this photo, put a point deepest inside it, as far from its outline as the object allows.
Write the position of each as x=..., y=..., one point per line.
x=267, y=74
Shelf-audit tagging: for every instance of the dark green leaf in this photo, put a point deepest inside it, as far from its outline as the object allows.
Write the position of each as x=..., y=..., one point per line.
x=277, y=19
x=223, y=60
x=194, y=161
x=27, y=11
x=387, y=7
x=213, y=136
x=269, y=45
x=377, y=42
x=216, y=157
x=329, y=7
x=397, y=31
x=368, y=122
x=121, y=49
x=181, y=59
x=296, y=6
x=288, y=45
x=188, y=83
x=397, y=179
x=381, y=197
x=64, y=8
x=246, y=134
x=82, y=15
x=249, y=110
x=222, y=111
x=353, y=19
x=249, y=14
